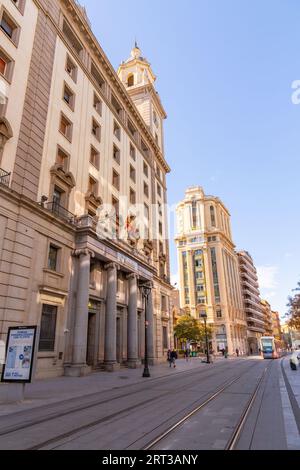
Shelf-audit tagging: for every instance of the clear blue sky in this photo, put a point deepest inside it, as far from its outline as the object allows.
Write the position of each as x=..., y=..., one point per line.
x=225, y=70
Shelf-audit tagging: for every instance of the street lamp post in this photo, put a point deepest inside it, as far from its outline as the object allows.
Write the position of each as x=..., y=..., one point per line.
x=204, y=316
x=146, y=291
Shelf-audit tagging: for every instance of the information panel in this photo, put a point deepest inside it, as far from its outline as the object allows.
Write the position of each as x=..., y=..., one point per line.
x=19, y=355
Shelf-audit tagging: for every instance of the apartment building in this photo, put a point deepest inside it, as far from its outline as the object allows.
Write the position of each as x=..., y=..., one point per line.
x=82, y=193
x=208, y=268
x=252, y=304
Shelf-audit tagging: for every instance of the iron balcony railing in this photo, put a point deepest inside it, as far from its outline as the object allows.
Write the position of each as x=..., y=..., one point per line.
x=60, y=212
x=4, y=177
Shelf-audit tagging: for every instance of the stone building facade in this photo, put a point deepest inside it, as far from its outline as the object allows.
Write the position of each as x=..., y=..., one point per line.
x=251, y=297
x=208, y=268
x=82, y=193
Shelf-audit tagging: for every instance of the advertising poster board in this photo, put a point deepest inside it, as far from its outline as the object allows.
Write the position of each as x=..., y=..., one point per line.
x=19, y=357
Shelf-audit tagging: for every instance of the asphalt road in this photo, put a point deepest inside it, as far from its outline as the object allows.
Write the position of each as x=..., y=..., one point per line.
x=137, y=415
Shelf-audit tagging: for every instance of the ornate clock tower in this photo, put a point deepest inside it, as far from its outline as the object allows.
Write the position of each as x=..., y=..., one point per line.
x=138, y=78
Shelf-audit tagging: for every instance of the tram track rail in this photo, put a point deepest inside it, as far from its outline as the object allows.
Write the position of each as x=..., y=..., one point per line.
x=59, y=439
x=75, y=409
x=231, y=444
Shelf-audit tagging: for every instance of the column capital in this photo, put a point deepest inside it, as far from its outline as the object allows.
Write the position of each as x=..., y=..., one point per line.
x=83, y=252
x=112, y=265
x=146, y=283
x=132, y=276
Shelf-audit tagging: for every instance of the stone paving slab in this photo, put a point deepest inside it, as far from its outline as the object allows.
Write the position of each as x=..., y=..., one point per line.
x=47, y=391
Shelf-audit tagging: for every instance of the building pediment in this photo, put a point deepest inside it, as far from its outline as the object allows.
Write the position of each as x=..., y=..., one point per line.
x=65, y=176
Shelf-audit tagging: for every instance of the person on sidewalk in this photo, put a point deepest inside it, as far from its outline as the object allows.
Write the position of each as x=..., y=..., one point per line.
x=187, y=355
x=174, y=357
x=169, y=357
x=237, y=352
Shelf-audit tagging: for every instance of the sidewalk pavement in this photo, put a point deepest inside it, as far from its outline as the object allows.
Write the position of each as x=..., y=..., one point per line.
x=293, y=377
x=47, y=391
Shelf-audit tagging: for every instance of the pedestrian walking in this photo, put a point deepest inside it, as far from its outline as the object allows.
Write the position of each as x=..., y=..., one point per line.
x=174, y=356
x=169, y=357
x=237, y=352
x=187, y=355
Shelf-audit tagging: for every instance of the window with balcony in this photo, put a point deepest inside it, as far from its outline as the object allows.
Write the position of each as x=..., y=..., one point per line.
x=117, y=130
x=6, y=65
x=97, y=104
x=165, y=337
x=96, y=129
x=66, y=127
x=71, y=68
x=95, y=158
x=10, y=27
x=72, y=39
x=69, y=97
x=116, y=154
x=116, y=180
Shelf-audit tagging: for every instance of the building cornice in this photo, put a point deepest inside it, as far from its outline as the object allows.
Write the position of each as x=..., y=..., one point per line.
x=74, y=10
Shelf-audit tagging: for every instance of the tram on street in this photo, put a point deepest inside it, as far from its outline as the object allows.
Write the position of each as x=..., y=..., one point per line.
x=271, y=348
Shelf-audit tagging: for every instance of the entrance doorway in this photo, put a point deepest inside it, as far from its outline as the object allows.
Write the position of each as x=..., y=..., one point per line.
x=91, y=340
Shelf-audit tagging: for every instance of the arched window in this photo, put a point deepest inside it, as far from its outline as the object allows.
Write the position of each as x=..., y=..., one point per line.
x=212, y=216
x=130, y=80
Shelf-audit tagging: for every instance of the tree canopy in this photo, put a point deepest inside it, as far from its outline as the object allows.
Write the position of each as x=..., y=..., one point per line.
x=191, y=329
x=294, y=309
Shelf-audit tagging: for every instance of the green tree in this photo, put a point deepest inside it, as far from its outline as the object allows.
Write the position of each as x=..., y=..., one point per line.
x=191, y=329
x=294, y=309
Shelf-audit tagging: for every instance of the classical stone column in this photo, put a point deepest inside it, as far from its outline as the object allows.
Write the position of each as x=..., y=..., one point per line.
x=78, y=366
x=150, y=329
x=132, y=323
x=110, y=347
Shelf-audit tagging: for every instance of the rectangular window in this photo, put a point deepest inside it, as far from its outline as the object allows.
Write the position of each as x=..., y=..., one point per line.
x=20, y=4
x=95, y=158
x=9, y=27
x=96, y=130
x=6, y=65
x=145, y=148
x=132, y=173
x=165, y=337
x=146, y=189
x=117, y=131
x=132, y=152
x=116, y=180
x=132, y=196
x=58, y=196
x=160, y=228
x=116, y=154
x=98, y=77
x=62, y=158
x=69, y=97
x=66, y=127
x=97, y=104
x=71, y=68
x=53, y=257
x=146, y=169
x=48, y=328
x=132, y=129
x=158, y=190
x=93, y=186
x=72, y=39
x=116, y=105
x=219, y=313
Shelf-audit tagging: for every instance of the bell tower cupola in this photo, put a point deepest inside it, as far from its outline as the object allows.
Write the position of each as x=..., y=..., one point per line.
x=138, y=78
